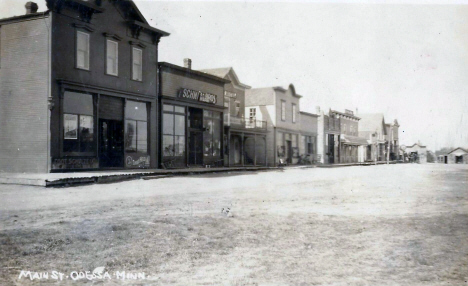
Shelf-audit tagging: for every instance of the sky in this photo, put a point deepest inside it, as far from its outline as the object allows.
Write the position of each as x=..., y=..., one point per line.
x=407, y=60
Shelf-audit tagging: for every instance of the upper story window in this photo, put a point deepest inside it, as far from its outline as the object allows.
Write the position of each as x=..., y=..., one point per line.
x=137, y=66
x=293, y=113
x=283, y=110
x=112, y=62
x=237, y=108
x=82, y=50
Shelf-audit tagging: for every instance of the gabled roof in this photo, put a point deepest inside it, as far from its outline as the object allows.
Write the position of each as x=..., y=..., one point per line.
x=372, y=122
x=422, y=146
x=225, y=72
x=459, y=148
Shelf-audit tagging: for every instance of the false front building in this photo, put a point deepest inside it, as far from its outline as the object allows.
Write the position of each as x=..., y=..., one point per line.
x=245, y=142
x=78, y=88
x=191, y=117
x=279, y=107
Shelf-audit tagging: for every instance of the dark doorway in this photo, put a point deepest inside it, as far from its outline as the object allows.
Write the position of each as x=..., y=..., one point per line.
x=331, y=148
x=445, y=159
x=195, y=142
x=110, y=143
x=289, y=152
x=458, y=159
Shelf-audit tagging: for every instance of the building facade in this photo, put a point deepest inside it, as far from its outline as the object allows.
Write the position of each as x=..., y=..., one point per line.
x=416, y=153
x=245, y=134
x=456, y=156
x=78, y=88
x=392, y=138
x=308, y=139
x=279, y=107
x=372, y=127
x=191, y=117
x=339, y=140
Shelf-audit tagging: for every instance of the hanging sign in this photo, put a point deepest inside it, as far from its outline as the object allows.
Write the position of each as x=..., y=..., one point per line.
x=198, y=96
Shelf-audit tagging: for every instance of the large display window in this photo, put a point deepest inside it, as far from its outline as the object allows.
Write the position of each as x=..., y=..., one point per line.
x=78, y=124
x=173, y=131
x=136, y=134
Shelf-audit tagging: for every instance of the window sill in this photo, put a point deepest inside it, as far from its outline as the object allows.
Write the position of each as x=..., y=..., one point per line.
x=83, y=69
x=114, y=75
x=136, y=80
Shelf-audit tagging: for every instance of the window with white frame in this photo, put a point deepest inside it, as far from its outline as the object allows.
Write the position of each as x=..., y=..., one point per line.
x=137, y=67
x=293, y=113
x=112, y=63
x=283, y=110
x=82, y=50
x=252, y=113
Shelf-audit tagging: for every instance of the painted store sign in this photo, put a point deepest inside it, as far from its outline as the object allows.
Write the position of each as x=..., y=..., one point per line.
x=198, y=96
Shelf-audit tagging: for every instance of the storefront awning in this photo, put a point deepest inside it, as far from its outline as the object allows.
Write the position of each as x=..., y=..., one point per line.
x=353, y=140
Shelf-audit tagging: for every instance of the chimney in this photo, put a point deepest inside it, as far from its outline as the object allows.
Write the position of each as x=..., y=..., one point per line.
x=31, y=8
x=356, y=110
x=317, y=109
x=188, y=63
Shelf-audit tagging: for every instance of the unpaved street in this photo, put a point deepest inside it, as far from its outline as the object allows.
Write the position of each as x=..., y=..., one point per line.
x=404, y=224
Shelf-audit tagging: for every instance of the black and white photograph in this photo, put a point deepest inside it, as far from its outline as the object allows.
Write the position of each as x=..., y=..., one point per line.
x=243, y=143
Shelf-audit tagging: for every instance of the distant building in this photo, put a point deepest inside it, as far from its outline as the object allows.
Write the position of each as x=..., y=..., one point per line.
x=279, y=107
x=456, y=156
x=245, y=132
x=392, y=139
x=308, y=140
x=416, y=153
x=372, y=127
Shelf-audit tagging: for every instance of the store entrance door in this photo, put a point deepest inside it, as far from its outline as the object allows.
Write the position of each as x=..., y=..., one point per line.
x=110, y=143
x=331, y=148
x=289, y=151
x=195, y=148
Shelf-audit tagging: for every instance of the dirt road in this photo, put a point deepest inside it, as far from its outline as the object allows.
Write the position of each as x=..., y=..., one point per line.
x=374, y=225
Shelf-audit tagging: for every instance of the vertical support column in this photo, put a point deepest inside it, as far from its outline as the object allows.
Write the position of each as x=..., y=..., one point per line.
x=242, y=149
x=153, y=134
x=255, y=149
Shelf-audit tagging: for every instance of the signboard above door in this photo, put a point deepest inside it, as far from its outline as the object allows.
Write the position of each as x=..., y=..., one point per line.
x=198, y=96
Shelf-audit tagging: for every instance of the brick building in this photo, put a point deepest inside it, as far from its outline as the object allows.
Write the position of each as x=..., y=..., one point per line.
x=339, y=140
x=245, y=134
x=78, y=87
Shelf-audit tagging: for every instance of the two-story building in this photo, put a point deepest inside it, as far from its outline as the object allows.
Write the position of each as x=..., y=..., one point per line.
x=279, y=107
x=339, y=140
x=372, y=127
x=308, y=140
x=352, y=147
x=245, y=142
x=392, y=138
x=78, y=87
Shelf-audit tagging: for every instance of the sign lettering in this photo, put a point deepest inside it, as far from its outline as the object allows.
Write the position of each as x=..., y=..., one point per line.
x=198, y=96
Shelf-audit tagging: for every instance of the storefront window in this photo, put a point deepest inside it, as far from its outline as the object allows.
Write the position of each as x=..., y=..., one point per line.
x=136, y=127
x=173, y=131
x=78, y=123
x=212, y=133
